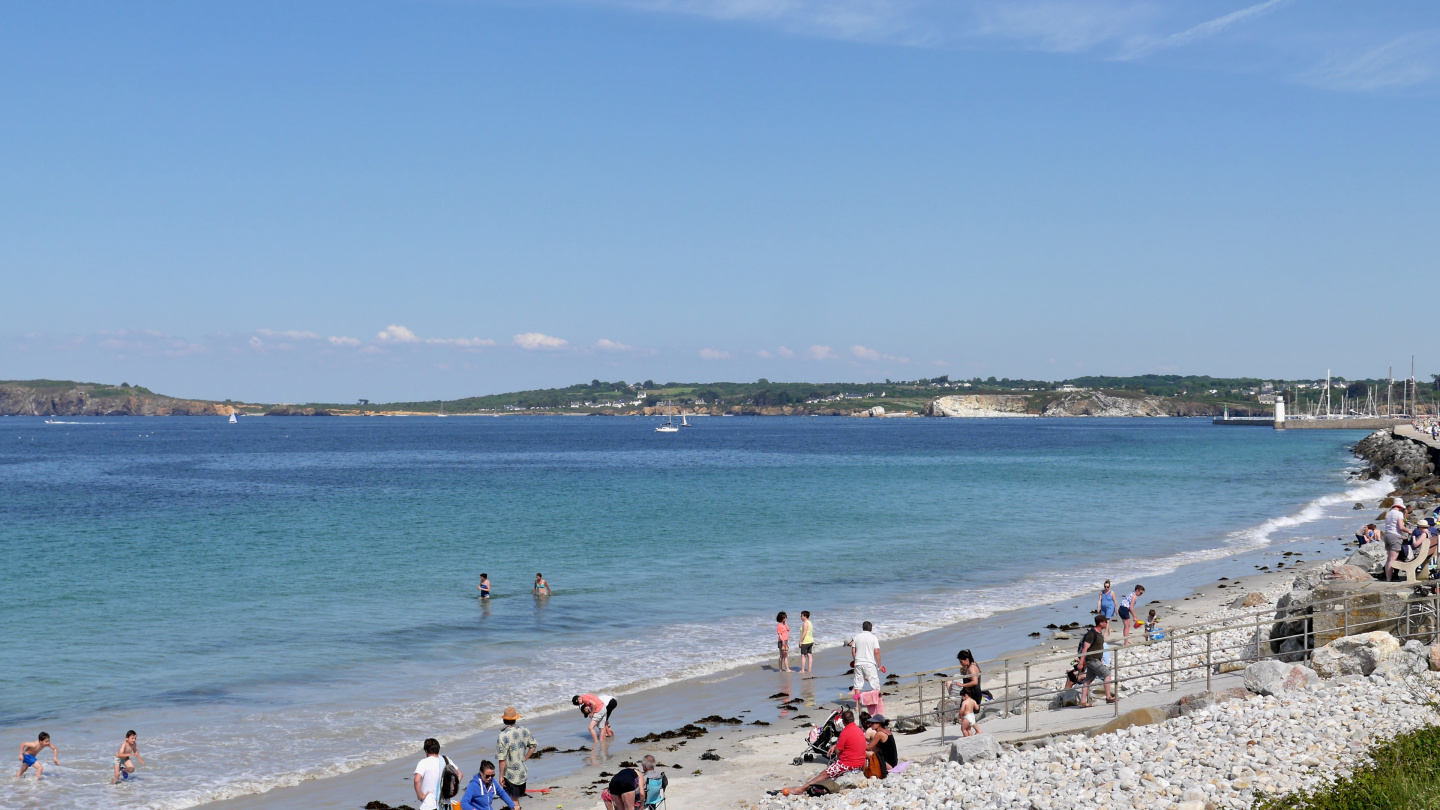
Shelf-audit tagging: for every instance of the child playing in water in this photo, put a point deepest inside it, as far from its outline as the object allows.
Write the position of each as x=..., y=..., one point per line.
x=128, y=750
x=30, y=750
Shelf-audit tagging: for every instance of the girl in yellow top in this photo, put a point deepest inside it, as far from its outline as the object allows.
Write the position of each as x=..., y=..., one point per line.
x=807, y=643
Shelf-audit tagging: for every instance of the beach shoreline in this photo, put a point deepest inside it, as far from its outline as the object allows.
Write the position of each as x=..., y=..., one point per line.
x=754, y=757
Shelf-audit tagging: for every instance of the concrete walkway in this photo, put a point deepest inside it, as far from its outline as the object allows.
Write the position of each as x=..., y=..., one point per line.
x=1074, y=720
x=1407, y=432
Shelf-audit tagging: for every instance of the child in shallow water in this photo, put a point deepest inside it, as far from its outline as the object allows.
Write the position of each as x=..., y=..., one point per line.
x=30, y=752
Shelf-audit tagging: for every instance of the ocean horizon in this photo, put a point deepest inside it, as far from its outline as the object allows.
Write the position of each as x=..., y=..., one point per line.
x=284, y=598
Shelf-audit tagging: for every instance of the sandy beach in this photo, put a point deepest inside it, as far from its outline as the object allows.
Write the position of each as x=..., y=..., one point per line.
x=732, y=764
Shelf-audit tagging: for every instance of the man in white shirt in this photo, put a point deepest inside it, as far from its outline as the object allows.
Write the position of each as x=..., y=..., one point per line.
x=427, y=776
x=865, y=649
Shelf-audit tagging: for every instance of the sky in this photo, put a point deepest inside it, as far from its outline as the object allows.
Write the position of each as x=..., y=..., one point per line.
x=324, y=201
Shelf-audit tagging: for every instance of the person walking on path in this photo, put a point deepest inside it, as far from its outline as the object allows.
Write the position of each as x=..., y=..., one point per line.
x=484, y=586
x=1105, y=605
x=807, y=644
x=1395, y=533
x=128, y=750
x=865, y=649
x=515, y=745
x=482, y=791
x=1092, y=648
x=30, y=752
x=541, y=587
x=597, y=709
x=1129, y=603
x=782, y=631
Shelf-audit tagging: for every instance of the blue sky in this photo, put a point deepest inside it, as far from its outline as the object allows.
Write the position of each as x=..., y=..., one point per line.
x=406, y=200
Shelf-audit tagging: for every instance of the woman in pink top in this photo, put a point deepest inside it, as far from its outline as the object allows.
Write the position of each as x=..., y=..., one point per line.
x=783, y=631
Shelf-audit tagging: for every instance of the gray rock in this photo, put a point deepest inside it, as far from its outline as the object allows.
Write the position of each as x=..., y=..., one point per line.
x=971, y=749
x=1410, y=660
x=1354, y=655
x=1069, y=697
x=1277, y=678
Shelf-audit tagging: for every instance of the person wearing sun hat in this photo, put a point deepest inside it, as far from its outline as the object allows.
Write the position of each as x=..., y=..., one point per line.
x=516, y=744
x=1395, y=533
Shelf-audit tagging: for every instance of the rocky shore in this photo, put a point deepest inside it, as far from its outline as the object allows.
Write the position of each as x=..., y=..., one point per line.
x=43, y=398
x=1072, y=403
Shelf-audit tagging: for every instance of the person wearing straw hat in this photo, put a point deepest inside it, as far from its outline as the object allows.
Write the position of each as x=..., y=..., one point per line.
x=515, y=745
x=1395, y=532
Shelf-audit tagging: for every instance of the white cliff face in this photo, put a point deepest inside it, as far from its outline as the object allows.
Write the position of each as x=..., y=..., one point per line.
x=979, y=405
x=1094, y=403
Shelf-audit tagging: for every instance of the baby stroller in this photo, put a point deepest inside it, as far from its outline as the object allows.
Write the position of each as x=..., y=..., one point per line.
x=822, y=738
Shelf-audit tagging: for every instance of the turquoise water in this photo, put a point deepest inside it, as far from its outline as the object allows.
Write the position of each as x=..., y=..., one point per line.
x=283, y=598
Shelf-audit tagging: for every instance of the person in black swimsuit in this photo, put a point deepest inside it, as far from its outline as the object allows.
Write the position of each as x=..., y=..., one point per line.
x=627, y=786
x=882, y=743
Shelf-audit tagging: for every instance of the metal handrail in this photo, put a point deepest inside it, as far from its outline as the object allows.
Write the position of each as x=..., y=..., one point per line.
x=1425, y=608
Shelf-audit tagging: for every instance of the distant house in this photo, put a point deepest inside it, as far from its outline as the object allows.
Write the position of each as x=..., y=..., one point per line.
x=1067, y=387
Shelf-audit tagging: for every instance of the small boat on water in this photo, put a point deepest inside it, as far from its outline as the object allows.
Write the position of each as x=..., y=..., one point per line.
x=669, y=426
x=51, y=422
x=233, y=420
x=684, y=423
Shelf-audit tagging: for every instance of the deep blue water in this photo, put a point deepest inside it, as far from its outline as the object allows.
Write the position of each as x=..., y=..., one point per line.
x=297, y=595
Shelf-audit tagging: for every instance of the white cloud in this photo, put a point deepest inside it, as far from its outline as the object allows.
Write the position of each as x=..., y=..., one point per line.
x=765, y=354
x=784, y=352
x=1408, y=60
x=605, y=345
x=463, y=343
x=342, y=341
x=712, y=354
x=1209, y=28
x=818, y=352
x=536, y=340
x=397, y=334
x=292, y=334
x=864, y=354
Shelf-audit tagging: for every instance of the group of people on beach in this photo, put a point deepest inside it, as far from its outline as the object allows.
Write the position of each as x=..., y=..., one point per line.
x=123, y=767
x=807, y=643
x=1405, y=540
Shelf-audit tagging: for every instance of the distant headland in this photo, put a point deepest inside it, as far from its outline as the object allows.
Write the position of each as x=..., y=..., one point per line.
x=1145, y=395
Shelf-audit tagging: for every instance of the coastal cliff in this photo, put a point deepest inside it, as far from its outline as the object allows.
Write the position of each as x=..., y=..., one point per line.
x=1072, y=403
x=65, y=398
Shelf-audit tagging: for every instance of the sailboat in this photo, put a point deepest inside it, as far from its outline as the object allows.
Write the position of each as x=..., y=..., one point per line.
x=684, y=423
x=669, y=426
x=442, y=408
x=233, y=420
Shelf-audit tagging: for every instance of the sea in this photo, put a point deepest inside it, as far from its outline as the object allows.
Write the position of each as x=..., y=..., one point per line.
x=288, y=598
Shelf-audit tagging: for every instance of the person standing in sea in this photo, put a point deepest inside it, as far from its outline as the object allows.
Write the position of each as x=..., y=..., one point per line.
x=515, y=745
x=782, y=632
x=807, y=644
x=484, y=586
x=541, y=587
x=1105, y=606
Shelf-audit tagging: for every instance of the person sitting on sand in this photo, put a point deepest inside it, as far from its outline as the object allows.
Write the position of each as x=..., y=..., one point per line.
x=1129, y=603
x=880, y=741
x=541, y=587
x=627, y=786
x=483, y=790
x=597, y=709
x=1092, y=648
x=847, y=755
x=128, y=750
x=30, y=751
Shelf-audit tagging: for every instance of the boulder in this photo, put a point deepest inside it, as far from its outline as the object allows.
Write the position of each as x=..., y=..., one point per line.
x=1411, y=659
x=1205, y=700
x=1308, y=579
x=1259, y=644
x=1435, y=657
x=1351, y=608
x=1353, y=655
x=971, y=749
x=1068, y=697
x=1277, y=678
x=1249, y=600
x=1148, y=716
x=1344, y=572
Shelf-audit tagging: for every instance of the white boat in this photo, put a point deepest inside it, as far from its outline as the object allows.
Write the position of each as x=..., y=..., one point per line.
x=684, y=423
x=233, y=420
x=51, y=422
x=669, y=426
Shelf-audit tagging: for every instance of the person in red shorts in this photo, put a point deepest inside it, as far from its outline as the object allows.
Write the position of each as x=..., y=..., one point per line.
x=847, y=755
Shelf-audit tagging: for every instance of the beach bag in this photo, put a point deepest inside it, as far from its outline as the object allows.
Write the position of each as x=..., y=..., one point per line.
x=873, y=768
x=449, y=781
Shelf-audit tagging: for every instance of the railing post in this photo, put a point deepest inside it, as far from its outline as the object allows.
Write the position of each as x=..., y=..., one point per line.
x=1172, y=664
x=1009, y=710
x=1207, y=659
x=1345, y=616
x=943, y=692
x=1117, y=681
x=920, y=693
x=1028, y=698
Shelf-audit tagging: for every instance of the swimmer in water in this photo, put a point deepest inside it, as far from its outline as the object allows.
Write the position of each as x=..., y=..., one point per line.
x=484, y=586
x=31, y=750
x=541, y=588
x=128, y=751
